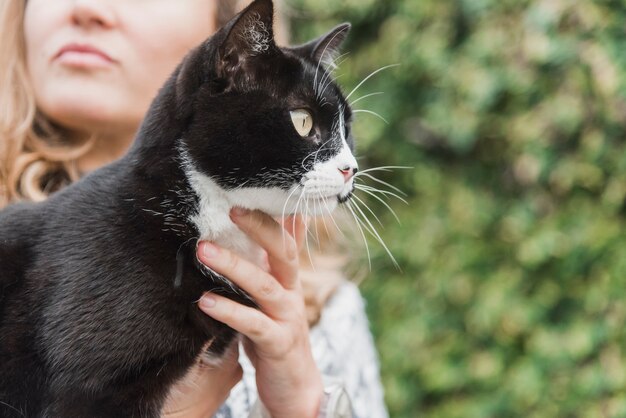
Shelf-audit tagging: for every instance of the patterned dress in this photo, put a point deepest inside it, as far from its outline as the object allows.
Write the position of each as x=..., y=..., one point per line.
x=342, y=347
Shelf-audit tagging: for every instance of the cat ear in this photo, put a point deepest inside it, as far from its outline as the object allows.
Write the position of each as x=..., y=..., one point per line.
x=249, y=34
x=325, y=49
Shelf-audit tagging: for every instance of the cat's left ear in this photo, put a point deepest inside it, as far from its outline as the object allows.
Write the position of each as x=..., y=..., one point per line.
x=325, y=49
x=249, y=34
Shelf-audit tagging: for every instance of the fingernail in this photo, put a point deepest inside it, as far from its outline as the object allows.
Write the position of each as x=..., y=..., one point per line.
x=207, y=301
x=237, y=211
x=209, y=250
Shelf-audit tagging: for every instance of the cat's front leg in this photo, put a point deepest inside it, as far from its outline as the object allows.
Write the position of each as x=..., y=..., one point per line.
x=75, y=406
x=142, y=398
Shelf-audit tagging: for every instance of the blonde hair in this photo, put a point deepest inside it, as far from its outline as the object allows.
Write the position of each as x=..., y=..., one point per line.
x=34, y=159
x=38, y=157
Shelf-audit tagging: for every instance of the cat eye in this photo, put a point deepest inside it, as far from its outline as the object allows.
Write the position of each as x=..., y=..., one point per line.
x=302, y=121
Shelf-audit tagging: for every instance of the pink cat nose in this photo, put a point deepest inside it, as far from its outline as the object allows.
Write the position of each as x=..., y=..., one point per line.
x=348, y=173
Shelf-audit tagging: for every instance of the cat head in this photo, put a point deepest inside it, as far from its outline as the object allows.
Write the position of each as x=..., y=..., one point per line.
x=267, y=126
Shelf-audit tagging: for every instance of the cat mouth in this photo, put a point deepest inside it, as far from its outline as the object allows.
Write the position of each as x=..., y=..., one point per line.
x=345, y=198
x=342, y=197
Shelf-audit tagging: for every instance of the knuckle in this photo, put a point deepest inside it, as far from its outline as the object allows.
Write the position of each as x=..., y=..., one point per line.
x=298, y=310
x=268, y=288
x=256, y=328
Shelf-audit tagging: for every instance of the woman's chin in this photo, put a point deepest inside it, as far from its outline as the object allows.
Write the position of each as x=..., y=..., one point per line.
x=84, y=112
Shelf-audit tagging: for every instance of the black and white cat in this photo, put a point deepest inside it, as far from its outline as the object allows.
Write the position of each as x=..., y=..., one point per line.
x=98, y=283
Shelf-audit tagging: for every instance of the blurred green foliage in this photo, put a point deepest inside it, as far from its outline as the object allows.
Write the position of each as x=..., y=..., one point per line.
x=512, y=296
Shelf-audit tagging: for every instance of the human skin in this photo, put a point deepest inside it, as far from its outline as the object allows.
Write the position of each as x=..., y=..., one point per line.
x=277, y=338
x=95, y=66
x=143, y=41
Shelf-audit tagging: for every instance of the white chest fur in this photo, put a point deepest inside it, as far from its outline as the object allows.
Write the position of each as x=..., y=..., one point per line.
x=213, y=218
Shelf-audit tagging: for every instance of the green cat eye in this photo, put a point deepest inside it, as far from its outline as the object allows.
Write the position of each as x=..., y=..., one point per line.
x=302, y=121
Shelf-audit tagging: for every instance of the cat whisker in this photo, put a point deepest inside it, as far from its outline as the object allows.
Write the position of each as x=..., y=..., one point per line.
x=371, y=113
x=381, y=201
x=342, y=122
x=242, y=184
x=320, y=149
x=381, y=182
x=330, y=80
x=383, y=168
x=283, y=213
x=315, y=216
x=311, y=154
x=303, y=199
x=375, y=233
x=295, y=189
x=328, y=74
x=319, y=91
x=13, y=408
x=385, y=193
x=311, y=230
x=361, y=217
x=368, y=77
x=365, y=97
x=358, y=224
x=314, y=154
x=322, y=56
x=333, y=64
x=306, y=235
x=369, y=210
x=332, y=218
x=295, y=211
x=323, y=200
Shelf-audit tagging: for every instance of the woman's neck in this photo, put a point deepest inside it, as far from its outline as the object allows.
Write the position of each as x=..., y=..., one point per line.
x=107, y=147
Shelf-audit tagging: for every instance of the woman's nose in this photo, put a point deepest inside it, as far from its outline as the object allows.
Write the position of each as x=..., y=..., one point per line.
x=93, y=13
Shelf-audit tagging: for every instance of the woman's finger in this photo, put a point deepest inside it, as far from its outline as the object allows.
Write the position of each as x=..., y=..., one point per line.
x=263, y=287
x=249, y=321
x=296, y=227
x=281, y=247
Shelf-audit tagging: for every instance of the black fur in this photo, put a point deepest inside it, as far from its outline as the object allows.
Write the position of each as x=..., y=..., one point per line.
x=99, y=283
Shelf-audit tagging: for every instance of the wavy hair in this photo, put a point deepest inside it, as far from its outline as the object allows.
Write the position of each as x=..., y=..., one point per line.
x=36, y=156
x=35, y=159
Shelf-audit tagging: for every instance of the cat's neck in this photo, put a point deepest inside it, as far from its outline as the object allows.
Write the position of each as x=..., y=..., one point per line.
x=180, y=200
x=185, y=201
x=212, y=214
x=212, y=217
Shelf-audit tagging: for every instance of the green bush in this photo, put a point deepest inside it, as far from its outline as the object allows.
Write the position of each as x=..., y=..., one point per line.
x=510, y=299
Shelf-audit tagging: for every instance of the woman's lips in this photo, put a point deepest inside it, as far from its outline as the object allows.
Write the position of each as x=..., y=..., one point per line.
x=83, y=56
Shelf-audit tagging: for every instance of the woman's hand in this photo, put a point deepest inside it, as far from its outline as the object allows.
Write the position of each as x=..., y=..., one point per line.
x=277, y=335
x=205, y=387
